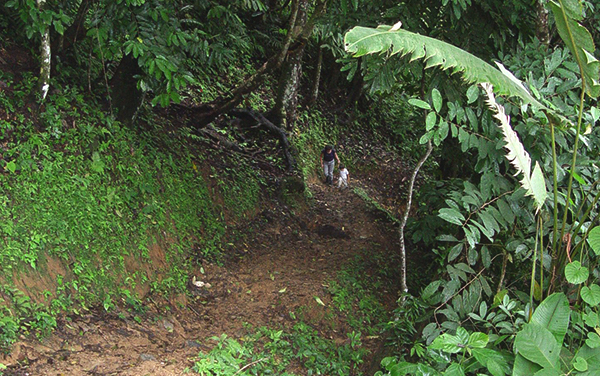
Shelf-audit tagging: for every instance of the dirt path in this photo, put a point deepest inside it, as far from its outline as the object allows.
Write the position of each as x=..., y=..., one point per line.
x=283, y=268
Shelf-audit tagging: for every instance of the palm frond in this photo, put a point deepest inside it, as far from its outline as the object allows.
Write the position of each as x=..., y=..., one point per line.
x=533, y=183
x=363, y=41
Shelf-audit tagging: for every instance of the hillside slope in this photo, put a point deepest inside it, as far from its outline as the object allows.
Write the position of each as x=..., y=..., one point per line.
x=282, y=277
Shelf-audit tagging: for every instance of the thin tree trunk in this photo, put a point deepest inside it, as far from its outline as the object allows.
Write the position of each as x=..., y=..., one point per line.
x=413, y=178
x=541, y=23
x=503, y=273
x=284, y=111
x=46, y=56
x=314, y=92
x=258, y=77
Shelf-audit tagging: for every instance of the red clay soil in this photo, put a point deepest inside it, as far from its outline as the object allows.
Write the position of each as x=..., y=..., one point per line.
x=295, y=252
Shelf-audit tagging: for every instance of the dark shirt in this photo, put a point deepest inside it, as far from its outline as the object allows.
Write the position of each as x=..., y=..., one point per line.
x=328, y=157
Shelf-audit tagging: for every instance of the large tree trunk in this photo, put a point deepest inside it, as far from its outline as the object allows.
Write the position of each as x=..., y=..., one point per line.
x=284, y=111
x=125, y=94
x=46, y=55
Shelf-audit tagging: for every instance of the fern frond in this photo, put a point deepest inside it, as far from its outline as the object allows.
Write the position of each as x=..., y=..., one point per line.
x=533, y=183
x=363, y=41
x=579, y=41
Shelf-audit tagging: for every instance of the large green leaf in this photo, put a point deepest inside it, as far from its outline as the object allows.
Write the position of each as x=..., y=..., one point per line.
x=451, y=344
x=593, y=340
x=493, y=360
x=455, y=369
x=579, y=41
x=553, y=314
x=592, y=357
x=524, y=367
x=591, y=295
x=451, y=215
x=536, y=344
x=593, y=240
x=548, y=372
x=478, y=340
x=363, y=41
x=576, y=273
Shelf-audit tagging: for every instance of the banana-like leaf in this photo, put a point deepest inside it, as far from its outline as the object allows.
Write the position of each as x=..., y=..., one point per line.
x=579, y=41
x=533, y=182
x=554, y=314
x=364, y=41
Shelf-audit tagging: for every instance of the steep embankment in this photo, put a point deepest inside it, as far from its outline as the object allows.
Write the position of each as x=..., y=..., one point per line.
x=283, y=276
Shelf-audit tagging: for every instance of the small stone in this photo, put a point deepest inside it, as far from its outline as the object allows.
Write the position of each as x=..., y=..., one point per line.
x=192, y=343
x=147, y=358
x=169, y=326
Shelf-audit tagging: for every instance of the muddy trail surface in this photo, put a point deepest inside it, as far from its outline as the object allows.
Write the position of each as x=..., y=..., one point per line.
x=283, y=266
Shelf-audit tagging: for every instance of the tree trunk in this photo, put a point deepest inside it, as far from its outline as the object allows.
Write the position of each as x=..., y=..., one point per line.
x=285, y=109
x=257, y=78
x=314, y=92
x=126, y=95
x=46, y=56
x=411, y=186
x=541, y=24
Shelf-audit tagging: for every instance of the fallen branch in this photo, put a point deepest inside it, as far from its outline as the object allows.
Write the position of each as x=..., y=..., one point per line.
x=249, y=365
x=279, y=132
x=213, y=134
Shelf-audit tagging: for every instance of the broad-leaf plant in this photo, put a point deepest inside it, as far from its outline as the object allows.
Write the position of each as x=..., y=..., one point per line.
x=530, y=209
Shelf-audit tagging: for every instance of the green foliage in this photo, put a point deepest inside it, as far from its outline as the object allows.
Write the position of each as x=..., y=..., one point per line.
x=20, y=315
x=495, y=222
x=352, y=294
x=578, y=39
x=269, y=352
x=86, y=193
x=35, y=20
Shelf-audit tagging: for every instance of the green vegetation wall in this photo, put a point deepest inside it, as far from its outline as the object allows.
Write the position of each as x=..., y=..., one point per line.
x=92, y=212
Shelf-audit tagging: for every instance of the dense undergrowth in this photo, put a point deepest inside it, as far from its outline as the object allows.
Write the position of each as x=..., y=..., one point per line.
x=84, y=200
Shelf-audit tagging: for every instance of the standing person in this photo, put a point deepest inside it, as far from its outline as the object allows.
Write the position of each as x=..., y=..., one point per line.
x=344, y=177
x=328, y=158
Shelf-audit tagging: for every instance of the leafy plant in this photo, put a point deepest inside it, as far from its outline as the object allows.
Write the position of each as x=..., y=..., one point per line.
x=542, y=339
